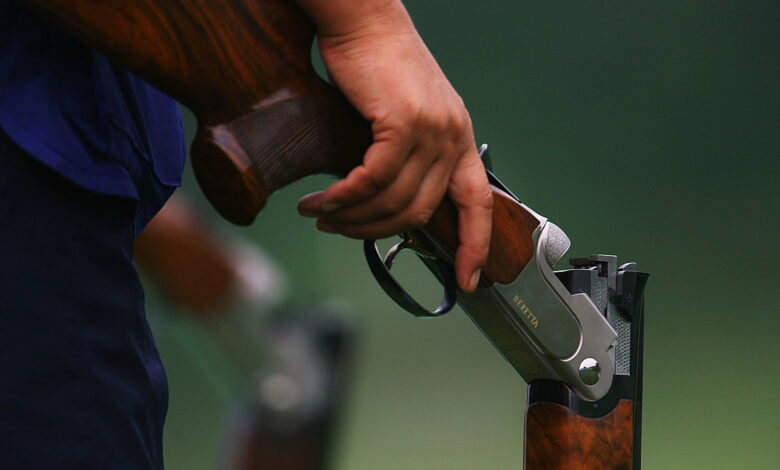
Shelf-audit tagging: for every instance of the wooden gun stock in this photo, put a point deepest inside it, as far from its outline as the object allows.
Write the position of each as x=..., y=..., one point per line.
x=265, y=118
x=557, y=438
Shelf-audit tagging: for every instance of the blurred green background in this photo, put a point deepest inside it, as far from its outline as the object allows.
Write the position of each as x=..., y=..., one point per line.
x=647, y=130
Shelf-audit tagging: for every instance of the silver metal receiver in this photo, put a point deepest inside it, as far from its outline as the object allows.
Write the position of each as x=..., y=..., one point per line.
x=541, y=329
x=554, y=334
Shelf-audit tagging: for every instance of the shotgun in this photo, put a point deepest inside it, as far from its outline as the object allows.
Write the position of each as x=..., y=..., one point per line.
x=293, y=363
x=207, y=272
x=265, y=119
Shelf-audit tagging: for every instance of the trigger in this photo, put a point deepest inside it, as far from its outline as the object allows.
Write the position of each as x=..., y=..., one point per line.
x=392, y=252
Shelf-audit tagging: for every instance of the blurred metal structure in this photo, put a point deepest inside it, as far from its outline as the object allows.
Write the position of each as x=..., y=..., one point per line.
x=291, y=363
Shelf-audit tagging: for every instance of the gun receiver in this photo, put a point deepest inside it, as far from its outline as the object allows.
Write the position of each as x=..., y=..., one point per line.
x=561, y=430
x=543, y=330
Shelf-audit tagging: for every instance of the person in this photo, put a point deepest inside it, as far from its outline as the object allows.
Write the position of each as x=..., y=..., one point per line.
x=89, y=152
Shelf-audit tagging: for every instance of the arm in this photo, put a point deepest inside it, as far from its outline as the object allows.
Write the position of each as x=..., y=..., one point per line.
x=256, y=55
x=423, y=144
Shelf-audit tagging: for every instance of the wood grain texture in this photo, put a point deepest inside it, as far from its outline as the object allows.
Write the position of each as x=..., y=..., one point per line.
x=265, y=118
x=222, y=58
x=556, y=438
x=511, y=242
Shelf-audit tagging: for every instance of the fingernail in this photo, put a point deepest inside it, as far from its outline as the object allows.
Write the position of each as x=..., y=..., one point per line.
x=309, y=205
x=474, y=280
x=325, y=227
x=329, y=206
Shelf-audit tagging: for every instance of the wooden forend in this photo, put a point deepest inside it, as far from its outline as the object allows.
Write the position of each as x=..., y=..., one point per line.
x=556, y=438
x=511, y=242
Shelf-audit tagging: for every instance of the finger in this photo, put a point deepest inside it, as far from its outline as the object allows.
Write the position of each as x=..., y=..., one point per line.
x=391, y=200
x=310, y=205
x=416, y=214
x=388, y=201
x=382, y=163
x=470, y=191
x=399, y=195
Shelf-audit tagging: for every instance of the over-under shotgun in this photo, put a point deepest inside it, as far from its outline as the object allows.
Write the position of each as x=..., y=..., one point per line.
x=265, y=119
x=304, y=350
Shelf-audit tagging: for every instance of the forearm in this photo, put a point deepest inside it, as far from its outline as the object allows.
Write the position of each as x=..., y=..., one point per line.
x=347, y=17
x=423, y=145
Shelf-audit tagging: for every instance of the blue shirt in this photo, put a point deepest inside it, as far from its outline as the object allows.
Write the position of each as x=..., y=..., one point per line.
x=94, y=123
x=81, y=376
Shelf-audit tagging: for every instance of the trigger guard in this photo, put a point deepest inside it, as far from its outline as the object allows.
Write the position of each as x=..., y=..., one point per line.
x=381, y=271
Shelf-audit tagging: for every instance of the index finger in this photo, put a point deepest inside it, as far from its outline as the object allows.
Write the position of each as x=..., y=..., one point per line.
x=381, y=165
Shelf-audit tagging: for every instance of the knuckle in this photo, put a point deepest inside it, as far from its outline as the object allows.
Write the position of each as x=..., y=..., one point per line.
x=484, y=198
x=417, y=110
x=439, y=125
x=481, y=200
x=392, y=206
x=460, y=124
x=409, y=112
x=476, y=194
x=377, y=180
x=419, y=217
x=478, y=249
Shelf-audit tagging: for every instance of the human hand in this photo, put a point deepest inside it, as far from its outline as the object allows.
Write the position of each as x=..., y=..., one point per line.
x=423, y=143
